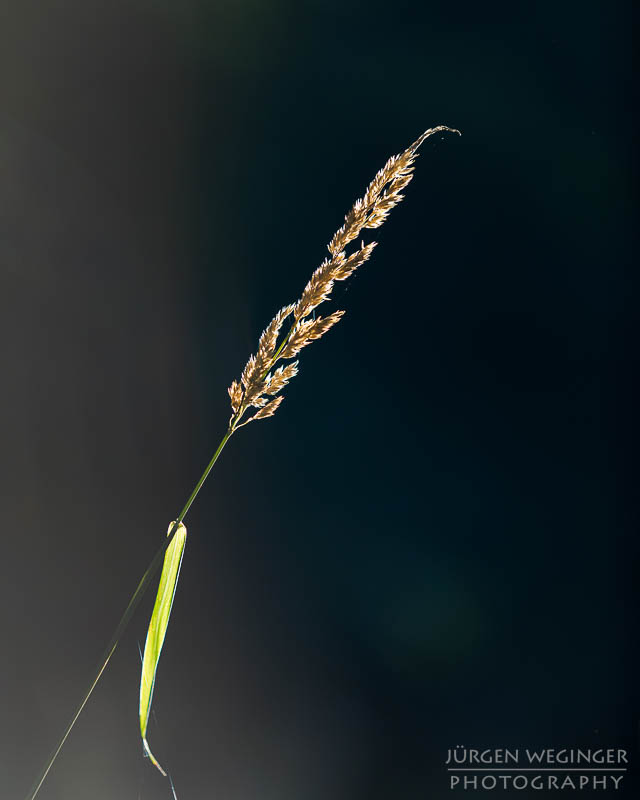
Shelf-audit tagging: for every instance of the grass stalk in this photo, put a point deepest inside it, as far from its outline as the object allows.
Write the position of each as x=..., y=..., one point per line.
x=126, y=618
x=260, y=385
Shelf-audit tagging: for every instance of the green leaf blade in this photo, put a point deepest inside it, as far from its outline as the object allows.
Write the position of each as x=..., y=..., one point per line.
x=158, y=628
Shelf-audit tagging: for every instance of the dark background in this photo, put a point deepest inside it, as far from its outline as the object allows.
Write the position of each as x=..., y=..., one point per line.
x=432, y=542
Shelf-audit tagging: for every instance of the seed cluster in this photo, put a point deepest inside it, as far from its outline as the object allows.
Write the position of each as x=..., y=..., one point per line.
x=258, y=384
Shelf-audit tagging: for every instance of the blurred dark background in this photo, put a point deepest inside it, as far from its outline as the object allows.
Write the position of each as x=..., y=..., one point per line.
x=432, y=543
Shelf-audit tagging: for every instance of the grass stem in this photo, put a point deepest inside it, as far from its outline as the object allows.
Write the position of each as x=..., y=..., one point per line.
x=126, y=617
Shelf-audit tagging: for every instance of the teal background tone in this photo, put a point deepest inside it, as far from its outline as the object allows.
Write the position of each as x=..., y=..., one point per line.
x=433, y=543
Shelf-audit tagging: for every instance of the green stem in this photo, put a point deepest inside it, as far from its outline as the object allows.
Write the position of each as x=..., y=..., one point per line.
x=203, y=478
x=128, y=613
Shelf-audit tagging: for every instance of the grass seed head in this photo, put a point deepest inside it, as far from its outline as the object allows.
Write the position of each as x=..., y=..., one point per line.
x=369, y=212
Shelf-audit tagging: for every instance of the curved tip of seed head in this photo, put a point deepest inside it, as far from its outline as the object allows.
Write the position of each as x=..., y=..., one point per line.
x=430, y=132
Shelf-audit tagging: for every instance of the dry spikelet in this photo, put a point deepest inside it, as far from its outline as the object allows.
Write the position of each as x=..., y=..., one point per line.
x=268, y=411
x=337, y=268
x=269, y=337
x=249, y=371
x=258, y=365
x=280, y=378
x=235, y=393
x=307, y=331
x=343, y=270
x=258, y=401
x=319, y=287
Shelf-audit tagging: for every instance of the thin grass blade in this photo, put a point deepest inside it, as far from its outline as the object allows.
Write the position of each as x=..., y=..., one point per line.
x=158, y=629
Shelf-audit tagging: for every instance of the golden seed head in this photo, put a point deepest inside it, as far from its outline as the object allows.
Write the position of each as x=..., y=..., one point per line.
x=370, y=211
